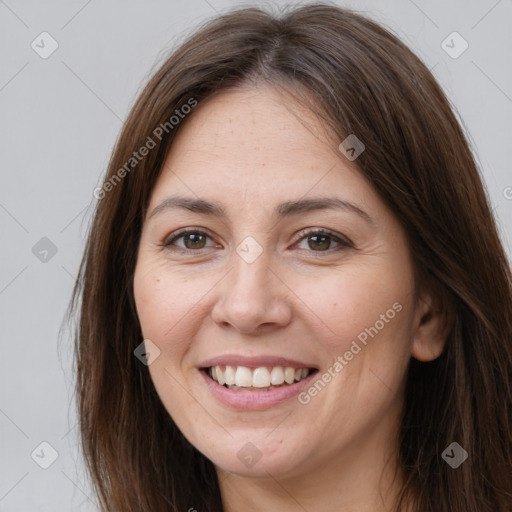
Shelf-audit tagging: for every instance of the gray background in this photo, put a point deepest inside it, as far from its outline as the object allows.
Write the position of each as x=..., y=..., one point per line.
x=60, y=117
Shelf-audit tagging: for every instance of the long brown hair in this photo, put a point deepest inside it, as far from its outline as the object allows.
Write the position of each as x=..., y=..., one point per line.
x=362, y=80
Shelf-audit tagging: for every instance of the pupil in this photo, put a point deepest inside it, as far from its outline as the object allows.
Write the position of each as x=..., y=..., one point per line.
x=194, y=243
x=325, y=245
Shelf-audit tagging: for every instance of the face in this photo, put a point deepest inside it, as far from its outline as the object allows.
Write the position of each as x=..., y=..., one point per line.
x=267, y=261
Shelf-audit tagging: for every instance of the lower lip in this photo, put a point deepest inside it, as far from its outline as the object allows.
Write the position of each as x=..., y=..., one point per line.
x=255, y=400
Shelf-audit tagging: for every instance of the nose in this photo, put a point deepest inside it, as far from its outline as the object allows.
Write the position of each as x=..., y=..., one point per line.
x=252, y=297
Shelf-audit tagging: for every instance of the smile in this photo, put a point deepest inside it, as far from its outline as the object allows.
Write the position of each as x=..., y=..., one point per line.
x=263, y=378
x=255, y=382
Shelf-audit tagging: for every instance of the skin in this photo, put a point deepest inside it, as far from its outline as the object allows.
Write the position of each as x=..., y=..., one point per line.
x=251, y=149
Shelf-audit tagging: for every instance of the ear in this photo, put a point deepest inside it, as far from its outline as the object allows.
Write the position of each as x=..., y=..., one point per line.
x=432, y=324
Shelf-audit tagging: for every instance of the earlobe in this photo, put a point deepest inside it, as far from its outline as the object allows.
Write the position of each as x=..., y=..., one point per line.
x=432, y=326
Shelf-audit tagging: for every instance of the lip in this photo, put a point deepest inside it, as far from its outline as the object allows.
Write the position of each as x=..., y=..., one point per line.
x=253, y=362
x=255, y=400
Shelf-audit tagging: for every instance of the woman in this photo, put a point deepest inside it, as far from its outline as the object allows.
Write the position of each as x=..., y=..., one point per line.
x=293, y=295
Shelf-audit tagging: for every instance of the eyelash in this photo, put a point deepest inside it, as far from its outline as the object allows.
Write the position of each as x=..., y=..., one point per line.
x=344, y=243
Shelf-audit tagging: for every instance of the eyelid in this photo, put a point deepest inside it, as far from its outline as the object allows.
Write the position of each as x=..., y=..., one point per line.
x=182, y=232
x=341, y=239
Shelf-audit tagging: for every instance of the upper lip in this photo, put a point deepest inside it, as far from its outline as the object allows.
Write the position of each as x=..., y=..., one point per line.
x=253, y=362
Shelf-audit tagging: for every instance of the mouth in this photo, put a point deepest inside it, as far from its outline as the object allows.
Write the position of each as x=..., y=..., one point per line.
x=261, y=378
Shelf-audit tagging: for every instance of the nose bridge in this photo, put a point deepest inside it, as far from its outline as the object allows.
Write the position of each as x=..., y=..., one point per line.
x=249, y=284
x=251, y=259
x=252, y=295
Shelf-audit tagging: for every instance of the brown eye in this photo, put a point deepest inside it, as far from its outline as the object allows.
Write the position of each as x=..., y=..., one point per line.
x=192, y=240
x=195, y=240
x=321, y=240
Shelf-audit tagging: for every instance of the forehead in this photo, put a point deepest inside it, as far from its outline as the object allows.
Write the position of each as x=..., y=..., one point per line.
x=256, y=124
x=255, y=146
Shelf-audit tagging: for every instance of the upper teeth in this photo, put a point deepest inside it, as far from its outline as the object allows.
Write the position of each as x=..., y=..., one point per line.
x=262, y=377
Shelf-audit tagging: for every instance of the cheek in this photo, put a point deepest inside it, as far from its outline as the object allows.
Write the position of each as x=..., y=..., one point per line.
x=366, y=324
x=348, y=302
x=165, y=304
x=365, y=316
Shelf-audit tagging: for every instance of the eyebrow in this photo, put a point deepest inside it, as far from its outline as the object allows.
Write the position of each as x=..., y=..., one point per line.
x=282, y=210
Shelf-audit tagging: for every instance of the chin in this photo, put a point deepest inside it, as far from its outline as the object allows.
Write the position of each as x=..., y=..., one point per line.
x=259, y=457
